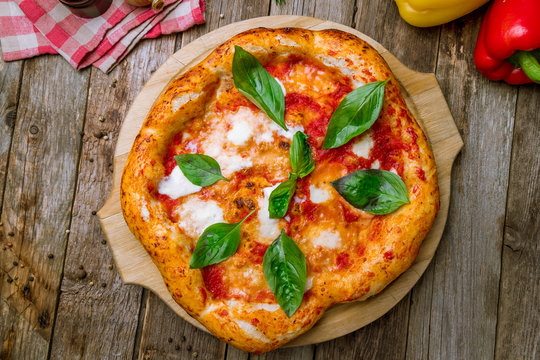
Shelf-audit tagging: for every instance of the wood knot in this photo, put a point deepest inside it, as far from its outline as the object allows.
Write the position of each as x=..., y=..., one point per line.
x=34, y=129
x=81, y=274
x=44, y=320
x=11, y=115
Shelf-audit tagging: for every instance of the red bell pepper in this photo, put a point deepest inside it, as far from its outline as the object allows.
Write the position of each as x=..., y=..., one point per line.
x=508, y=45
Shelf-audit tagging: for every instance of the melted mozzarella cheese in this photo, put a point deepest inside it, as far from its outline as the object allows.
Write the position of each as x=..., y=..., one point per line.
x=210, y=308
x=328, y=239
x=363, y=146
x=182, y=100
x=251, y=331
x=309, y=283
x=246, y=124
x=145, y=214
x=176, y=185
x=376, y=165
x=287, y=42
x=231, y=163
x=341, y=64
x=242, y=126
x=268, y=228
x=265, y=307
x=195, y=215
x=318, y=195
x=228, y=159
x=240, y=133
x=290, y=132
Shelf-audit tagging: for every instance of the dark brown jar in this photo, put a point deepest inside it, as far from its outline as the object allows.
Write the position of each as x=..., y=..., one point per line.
x=87, y=8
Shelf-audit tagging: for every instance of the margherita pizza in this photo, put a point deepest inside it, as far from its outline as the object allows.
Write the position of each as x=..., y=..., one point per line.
x=280, y=176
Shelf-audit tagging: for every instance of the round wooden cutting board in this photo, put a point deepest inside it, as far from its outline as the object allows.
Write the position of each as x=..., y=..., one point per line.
x=425, y=100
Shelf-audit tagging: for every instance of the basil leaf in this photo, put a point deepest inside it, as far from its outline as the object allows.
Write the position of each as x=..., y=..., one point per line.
x=285, y=271
x=217, y=243
x=279, y=199
x=255, y=83
x=300, y=155
x=200, y=169
x=355, y=114
x=375, y=191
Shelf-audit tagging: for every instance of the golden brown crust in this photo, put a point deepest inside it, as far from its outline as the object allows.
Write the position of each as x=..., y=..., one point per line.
x=399, y=234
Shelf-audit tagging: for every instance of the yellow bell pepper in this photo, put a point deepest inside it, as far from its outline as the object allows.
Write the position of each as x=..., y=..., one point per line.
x=424, y=13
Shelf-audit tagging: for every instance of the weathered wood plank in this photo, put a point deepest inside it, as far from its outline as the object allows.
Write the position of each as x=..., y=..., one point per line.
x=373, y=19
x=462, y=310
x=518, y=335
x=385, y=338
x=94, y=303
x=39, y=192
x=290, y=7
x=338, y=11
x=10, y=76
x=419, y=316
x=166, y=336
x=155, y=333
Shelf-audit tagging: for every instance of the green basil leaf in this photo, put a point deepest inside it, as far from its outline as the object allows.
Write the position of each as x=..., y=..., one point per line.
x=355, y=114
x=285, y=271
x=255, y=83
x=217, y=243
x=200, y=169
x=375, y=191
x=300, y=155
x=279, y=199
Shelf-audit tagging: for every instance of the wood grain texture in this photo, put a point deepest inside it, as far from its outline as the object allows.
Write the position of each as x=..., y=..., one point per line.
x=166, y=336
x=518, y=335
x=373, y=19
x=462, y=302
x=10, y=76
x=425, y=100
x=37, y=206
x=385, y=338
x=94, y=303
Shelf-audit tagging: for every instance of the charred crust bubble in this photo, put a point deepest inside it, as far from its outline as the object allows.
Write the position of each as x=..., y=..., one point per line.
x=240, y=203
x=250, y=204
x=284, y=145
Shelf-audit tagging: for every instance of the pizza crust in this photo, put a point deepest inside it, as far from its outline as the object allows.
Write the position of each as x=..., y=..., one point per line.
x=262, y=326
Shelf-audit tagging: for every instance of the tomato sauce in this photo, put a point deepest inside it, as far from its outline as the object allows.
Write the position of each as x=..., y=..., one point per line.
x=343, y=261
x=170, y=205
x=348, y=214
x=213, y=280
x=387, y=148
x=257, y=253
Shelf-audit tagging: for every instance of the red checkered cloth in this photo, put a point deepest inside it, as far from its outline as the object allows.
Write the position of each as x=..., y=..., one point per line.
x=34, y=27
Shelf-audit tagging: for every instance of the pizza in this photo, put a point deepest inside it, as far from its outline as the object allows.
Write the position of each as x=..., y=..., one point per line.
x=265, y=183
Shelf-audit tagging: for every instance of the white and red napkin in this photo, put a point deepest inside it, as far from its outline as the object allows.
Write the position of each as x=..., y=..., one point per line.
x=34, y=27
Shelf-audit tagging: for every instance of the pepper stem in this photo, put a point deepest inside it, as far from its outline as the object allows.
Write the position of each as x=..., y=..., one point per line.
x=528, y=61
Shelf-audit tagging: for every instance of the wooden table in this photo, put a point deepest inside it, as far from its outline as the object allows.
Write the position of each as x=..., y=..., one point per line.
x=62, y=297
